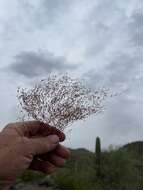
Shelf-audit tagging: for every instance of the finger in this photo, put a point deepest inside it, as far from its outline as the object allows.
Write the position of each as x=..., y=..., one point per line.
x=54, y=159
x=51, y=131
x=62, y=151
x=43, y=145
x=26, y=128
x=43, y=166
x=35, y=128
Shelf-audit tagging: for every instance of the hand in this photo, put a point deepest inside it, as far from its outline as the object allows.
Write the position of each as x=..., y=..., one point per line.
x=33, y=145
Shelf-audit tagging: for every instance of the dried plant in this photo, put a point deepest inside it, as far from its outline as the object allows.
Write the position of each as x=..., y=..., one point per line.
x=59, y=101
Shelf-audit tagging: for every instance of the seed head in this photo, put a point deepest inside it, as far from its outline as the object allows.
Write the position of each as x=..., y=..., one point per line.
x=60, y=101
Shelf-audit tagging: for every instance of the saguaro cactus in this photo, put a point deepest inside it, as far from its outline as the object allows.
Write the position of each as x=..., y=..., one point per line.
x=98, y=157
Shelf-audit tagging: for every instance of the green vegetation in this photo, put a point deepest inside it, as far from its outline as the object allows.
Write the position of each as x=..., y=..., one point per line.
x=120, y=169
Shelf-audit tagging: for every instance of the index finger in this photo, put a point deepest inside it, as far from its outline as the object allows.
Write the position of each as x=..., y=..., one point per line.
x=51, y=131
x=36, y=129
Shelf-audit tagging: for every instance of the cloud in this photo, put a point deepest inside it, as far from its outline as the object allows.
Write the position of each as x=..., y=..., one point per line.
x=32, y=64
x=56, y=8
x=43, y=13
x=123, y=69
x=136, y=29
x=122, y=118
x=104, y=36
x=122, y=121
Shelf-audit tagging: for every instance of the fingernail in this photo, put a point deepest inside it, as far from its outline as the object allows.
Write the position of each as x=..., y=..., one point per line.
x=53, y=138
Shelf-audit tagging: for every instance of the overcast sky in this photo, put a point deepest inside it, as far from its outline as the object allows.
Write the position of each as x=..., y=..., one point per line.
x=100, y=41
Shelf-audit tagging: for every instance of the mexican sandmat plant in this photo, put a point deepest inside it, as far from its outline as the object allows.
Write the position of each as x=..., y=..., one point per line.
x=59, y=101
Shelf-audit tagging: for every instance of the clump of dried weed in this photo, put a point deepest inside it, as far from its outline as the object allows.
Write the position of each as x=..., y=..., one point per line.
x=60, y=101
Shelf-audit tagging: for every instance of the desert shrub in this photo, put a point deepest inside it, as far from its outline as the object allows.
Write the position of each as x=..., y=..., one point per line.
x=73, y=181
x=32, y=176
x=119, y=170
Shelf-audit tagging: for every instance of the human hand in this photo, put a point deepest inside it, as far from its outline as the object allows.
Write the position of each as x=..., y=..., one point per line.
x=31, y=144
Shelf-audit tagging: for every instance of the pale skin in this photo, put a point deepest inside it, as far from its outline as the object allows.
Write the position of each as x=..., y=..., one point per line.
x=33, y=145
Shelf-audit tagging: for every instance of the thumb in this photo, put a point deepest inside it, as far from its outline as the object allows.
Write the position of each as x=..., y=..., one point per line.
x=43, y=145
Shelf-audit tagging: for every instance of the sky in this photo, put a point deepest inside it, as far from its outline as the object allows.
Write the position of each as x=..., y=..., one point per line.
x=99, y=41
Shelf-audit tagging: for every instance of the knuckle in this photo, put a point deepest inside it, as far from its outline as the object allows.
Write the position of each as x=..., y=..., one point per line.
x=25, y=141
x=25, y=146
x=9, y=125
x=44, y=146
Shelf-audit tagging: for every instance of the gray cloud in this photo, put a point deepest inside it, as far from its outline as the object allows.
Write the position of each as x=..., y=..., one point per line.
x=105, y=24
x=32, y=64
x=45, y=13
x=116, y=45
x=56, y=8
x=122, y=71
x=122, y=122
x=135, y=26
x=122, y=119
x=104, y=35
